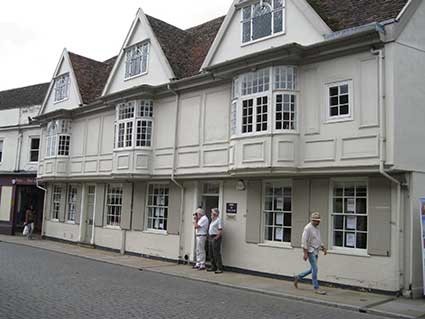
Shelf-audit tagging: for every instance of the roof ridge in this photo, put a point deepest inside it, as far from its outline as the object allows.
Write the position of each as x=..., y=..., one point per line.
x=203, y=23
x=84, y=57
x=168, y=24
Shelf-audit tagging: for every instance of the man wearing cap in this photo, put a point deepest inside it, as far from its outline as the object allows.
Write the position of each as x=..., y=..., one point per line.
x=311, y=244
x=201, y=228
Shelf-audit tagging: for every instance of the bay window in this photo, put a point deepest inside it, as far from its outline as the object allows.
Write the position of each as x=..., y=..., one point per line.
x=58, y=138
x=134, y=124
x=265, y=101
x=262, y=19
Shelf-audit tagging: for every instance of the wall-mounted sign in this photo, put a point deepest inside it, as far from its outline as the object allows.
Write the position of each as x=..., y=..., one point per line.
x=231, y=208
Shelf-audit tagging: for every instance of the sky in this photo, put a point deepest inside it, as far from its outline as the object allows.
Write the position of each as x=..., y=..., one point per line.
x=33, y=34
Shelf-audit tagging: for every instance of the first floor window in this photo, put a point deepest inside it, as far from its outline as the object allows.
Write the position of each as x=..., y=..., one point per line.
x=233, y=118
x=56, y=202
x=339, y=100
x=114, y=205
x=72, y=203
x=35, y=146
x=57, y=141
x=255, y=114
x=144, y=133
x=63, y=147
x=277, y=212
x=157, y=206
x=349, y=215
x=285, y=112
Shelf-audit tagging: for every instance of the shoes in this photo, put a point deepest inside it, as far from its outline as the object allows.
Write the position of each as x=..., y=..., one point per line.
x=211, y=269
x=296, y=282
x=219, y=271
x=319, y=292
x=201, y=268
x=195, y=267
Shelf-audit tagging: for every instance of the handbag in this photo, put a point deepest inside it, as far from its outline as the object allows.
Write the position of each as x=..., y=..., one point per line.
x=26, y=230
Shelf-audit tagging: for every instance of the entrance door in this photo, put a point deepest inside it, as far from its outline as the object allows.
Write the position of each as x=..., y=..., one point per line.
x=91, y=190
x=210, y=199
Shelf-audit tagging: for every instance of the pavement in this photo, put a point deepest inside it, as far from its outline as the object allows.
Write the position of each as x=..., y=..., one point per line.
x=364, y=302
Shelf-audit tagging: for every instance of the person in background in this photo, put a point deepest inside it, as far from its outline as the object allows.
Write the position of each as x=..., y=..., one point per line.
x=201, y=228
x=311, y=244
x=29, y=220
x=214, y=240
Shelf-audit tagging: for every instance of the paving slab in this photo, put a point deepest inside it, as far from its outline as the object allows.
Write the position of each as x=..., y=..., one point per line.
x=342, y=298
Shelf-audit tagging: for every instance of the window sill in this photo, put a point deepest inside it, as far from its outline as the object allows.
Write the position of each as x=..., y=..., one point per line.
x=339, y=120
x=156, y=232
x=263, y=39
x=348, y=252
x=133, y=148
x=60, y=101
x=276, y=245
x=264, y=134
x=70, y=222
x=55, y=220
x=112, y=227
x=135, y=76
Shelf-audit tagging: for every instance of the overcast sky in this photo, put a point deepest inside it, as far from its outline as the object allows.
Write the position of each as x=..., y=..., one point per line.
x=34, y=33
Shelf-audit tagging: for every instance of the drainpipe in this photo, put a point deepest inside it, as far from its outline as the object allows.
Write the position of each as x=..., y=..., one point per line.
x=382, y=141
x=180, y=186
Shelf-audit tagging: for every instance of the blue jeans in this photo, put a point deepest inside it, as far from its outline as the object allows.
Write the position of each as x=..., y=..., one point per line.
x=312, y=258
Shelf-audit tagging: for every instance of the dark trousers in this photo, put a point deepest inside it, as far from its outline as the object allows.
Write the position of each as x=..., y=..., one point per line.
x=215, y=249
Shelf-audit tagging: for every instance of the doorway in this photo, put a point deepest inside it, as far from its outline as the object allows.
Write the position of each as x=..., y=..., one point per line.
x=210, y=198
x=91, y=194
x=27, y=196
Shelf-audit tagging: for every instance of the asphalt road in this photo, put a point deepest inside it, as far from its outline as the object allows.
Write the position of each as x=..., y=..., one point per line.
x=36, y=283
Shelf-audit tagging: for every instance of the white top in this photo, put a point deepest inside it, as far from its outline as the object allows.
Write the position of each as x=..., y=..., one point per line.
x=215, y=227
x=203, y=226
x=311, y=239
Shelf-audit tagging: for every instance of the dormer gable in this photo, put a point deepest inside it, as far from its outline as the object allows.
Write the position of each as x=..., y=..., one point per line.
x=253, y=26
x=141, y=59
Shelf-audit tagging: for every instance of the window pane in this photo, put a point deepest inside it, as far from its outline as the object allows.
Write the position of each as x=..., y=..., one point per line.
x=338, y=238
x=338, y=222
x=278, y=21
x=361, y=241
x=338, y=205
x=269, y=233
x=288, y=220
x=287, y=235
x=362, y=223
x=361, y=206
x=350, y=240
x=262, y=21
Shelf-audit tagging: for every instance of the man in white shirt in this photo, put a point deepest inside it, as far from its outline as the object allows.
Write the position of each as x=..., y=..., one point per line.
x=201, y=228
x=215, y=235
x=311, y=244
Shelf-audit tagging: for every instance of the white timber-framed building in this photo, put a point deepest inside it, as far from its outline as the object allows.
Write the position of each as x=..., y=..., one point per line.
x=276, y=110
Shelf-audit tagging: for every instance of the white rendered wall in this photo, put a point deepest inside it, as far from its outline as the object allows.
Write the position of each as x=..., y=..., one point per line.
x=5, y=203
x=151, y=244
x=65, y=231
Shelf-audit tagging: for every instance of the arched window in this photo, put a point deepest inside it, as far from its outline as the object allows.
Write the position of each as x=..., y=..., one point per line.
x=262, y=19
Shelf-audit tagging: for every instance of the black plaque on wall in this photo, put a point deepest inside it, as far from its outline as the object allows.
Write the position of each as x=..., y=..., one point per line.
x=231, y=208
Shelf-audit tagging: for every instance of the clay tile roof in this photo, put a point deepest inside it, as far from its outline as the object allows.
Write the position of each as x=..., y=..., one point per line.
x=91, y=75
x=345, y=14
x=185, y=49
x=25, y=96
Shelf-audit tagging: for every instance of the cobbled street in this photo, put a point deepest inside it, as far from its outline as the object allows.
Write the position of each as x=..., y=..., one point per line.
x=35, y=283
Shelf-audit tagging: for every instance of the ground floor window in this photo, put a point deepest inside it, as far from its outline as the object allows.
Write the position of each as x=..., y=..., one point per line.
x=72, y=203
x=349, y=215
x=157, y=206
x=56, y=202
x=114, y=205
x=277, y=212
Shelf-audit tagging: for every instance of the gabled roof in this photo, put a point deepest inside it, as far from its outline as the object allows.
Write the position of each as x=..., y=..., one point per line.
x=185, y=50
x=25, y=96
x=91, y=75
x=345, y=14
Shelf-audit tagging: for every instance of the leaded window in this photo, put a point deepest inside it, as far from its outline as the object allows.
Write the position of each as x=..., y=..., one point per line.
x=285, y=77
x=62, y=84
x=262, y=19
x=136, y=59
x=277, y=212
x=114, y=205
x=349, y=215
x=157, y=206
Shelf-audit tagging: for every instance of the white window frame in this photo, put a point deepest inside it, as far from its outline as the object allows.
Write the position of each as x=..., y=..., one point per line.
x=296, y=112
x=62, y=88
x=273, y=34
x=347, y=250
x=58, y=138
x=127, y=133
x=32, y=150
x=131, y=59
x=151, y=207
x=283, y=184
x=113, y=207
x=345, y=117
x=72, y=198
x=271, y=92
x=56, y=200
